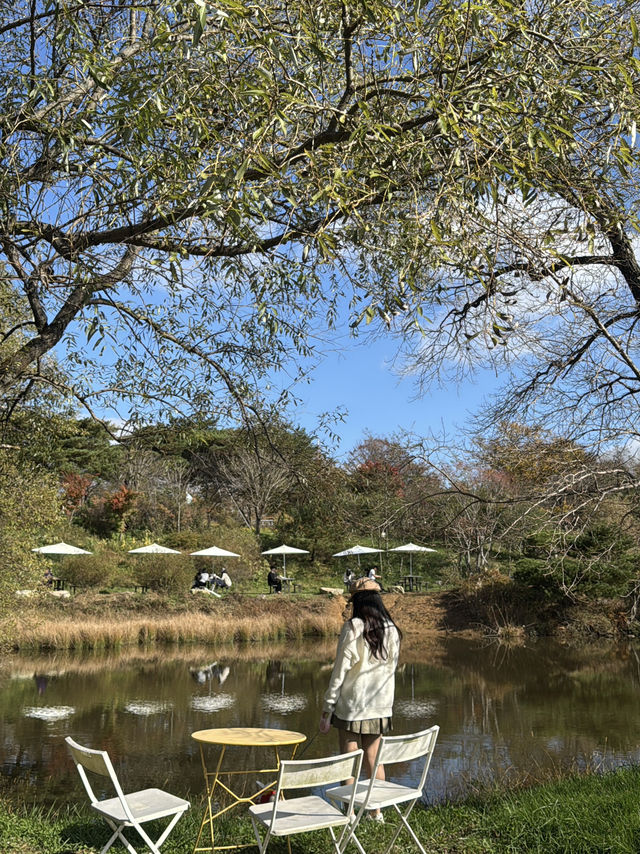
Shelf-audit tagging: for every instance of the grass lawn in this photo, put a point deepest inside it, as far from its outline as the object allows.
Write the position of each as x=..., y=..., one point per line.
x=590, y=814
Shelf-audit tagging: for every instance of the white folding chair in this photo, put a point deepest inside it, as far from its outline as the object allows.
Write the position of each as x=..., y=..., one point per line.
x=122, y=811
x=377, y=794
x=310, y=812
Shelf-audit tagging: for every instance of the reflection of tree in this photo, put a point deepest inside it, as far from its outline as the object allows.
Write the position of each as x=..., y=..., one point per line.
x=519, y=711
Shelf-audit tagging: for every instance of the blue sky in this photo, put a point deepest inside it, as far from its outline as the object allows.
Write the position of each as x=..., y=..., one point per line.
x=357, y=377
x=360, y=380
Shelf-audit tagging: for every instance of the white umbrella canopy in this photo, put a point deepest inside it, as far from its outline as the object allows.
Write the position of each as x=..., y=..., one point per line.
x=412, y=549
x=61, y=549
x=214, y=551
x=153, y=549
x=357, y=551
x=285, y=550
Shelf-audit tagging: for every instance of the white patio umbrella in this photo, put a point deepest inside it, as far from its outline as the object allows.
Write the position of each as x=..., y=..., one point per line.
x=285, y=550
x=357, y=551
x=214, y=551
x=411, y=549
x=153, y=549
x=61, y=549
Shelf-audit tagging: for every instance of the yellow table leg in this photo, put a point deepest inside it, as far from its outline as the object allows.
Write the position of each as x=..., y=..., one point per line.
x=213, y=782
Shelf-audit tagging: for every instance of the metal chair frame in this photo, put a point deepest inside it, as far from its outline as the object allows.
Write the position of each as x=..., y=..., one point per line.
x=375, y=794
x=121, y=811
x=312, y=812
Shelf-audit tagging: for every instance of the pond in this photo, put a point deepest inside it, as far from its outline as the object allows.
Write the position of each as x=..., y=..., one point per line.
x=505, y=714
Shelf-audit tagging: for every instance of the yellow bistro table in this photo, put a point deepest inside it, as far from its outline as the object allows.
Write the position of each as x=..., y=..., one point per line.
x=237, y=737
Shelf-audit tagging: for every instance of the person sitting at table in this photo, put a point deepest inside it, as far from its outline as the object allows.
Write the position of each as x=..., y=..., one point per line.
x=274, y=581
x=348, y=578
x=201, y=580
x=49, y=577
x=223, y=580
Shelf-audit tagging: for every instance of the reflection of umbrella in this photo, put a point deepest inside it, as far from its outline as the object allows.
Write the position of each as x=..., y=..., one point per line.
x=148, y=707
x=284, y=704
x=61, y=549
x=214, y=551
x=213, y=703
x=411, y=548
x=415, y=708
x=49, y=713
x=284, y=551
x=153, y=549
x=357, y=550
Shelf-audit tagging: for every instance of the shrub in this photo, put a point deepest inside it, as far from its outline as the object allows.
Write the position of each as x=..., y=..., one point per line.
x=535, y=574
x=95, y=570
x=164, y=573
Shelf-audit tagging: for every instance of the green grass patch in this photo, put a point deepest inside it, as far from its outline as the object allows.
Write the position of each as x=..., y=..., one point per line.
x=589, y=814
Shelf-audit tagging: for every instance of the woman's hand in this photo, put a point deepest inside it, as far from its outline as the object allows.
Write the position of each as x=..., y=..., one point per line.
x=325, y=723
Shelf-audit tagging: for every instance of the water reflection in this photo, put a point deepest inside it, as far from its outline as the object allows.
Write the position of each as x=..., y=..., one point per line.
x=276, y=698
x=147, y=707
x=49, y=713
x=209, y=673
x=507, y=713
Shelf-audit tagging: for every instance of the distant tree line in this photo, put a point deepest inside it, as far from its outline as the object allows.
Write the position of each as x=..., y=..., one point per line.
x=520, y=505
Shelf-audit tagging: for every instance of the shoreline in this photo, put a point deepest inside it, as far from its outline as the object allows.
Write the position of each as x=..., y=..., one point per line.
x=90, y=621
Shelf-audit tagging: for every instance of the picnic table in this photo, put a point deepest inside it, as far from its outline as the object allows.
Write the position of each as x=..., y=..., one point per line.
x=412, y=582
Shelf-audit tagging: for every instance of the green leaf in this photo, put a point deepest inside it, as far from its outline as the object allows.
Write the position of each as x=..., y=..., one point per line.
x=201, y=21
x=548, y=141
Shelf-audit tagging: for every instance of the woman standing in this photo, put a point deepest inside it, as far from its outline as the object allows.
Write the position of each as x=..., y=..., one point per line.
x=359, y=699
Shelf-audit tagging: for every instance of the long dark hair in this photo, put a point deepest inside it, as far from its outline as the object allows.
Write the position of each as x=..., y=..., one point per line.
x=369, y=607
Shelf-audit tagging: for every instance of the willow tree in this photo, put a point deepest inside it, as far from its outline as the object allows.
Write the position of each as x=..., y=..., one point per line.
x=187, y=191
x=537, y=272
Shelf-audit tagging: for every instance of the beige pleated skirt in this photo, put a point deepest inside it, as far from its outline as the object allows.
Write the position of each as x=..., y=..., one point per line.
x=373, y=726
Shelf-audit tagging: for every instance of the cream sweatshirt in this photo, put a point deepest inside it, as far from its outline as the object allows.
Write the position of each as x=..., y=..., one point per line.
x=361, y=686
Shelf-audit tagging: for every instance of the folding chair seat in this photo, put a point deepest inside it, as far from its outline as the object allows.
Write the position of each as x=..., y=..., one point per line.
x=131, y=810
x=309, y=812
x=377, y=794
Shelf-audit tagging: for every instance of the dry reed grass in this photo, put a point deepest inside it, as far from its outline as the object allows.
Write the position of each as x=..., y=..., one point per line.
x=121, y=622
x=122, y=630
